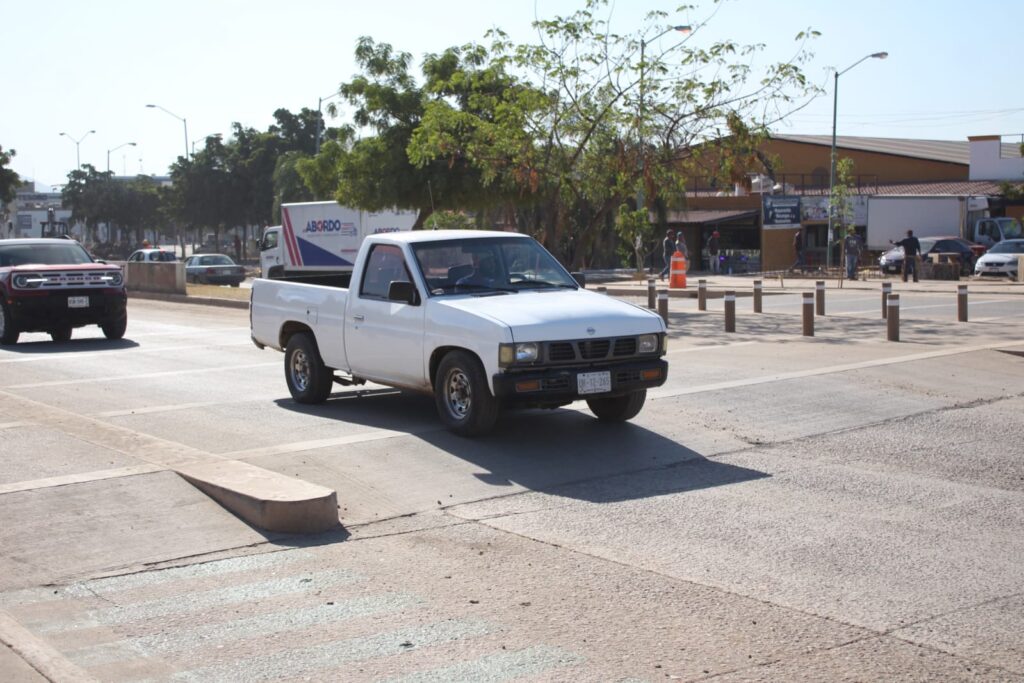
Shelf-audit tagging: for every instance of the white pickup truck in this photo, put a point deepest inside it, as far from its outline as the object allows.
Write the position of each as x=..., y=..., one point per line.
x=482, y=320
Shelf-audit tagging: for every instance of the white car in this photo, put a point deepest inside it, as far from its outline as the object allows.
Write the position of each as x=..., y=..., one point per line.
x=1002, y=259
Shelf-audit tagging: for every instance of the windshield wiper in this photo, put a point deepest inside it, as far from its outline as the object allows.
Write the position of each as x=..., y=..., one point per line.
x=544, y=284
x=488, y=288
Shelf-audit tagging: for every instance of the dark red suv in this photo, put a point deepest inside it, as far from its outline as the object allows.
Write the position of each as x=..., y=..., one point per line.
x=54, y=285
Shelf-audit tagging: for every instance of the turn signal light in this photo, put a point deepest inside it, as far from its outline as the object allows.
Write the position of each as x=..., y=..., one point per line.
x=652, y=374
x=531, y=385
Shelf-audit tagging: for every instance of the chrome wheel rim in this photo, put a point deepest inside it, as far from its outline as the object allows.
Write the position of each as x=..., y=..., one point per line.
x=457, y=394
x=299, y=370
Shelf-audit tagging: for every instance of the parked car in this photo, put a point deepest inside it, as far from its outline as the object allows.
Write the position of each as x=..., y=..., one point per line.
x=152, y=255
x=213, y=269
x=1002, y=259
x=892, y=260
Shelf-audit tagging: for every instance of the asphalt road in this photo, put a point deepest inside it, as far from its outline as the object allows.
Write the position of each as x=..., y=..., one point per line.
x=835, y=507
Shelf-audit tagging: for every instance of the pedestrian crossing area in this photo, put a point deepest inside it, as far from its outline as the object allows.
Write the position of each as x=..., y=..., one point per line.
x=290, y=614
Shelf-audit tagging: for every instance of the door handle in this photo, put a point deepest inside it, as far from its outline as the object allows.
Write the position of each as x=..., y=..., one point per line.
x=358, y=318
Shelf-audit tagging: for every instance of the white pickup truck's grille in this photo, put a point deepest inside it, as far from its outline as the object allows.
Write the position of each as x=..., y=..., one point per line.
x=49, y=280
x=591, y=349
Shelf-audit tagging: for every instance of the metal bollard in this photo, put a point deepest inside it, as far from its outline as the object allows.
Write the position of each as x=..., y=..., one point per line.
x=892, y=323
x=730, y=310
x=819, y=297
x=886, y=291
x=663, y=305
x=961, y=303
x=651, y=294
x=757, y=296
x=808, y=314
x=702, y=295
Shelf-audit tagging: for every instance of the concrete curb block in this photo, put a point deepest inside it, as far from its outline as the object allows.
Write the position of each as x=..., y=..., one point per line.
x=266, y=499
x=39, y=654
x=185, y=299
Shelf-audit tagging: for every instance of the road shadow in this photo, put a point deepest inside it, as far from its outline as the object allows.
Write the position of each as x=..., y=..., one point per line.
x=563, y=452
x=45, y=347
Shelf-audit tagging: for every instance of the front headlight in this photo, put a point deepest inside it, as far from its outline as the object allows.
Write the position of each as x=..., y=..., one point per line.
x=114, y=279
x=526, y=352
x=28, y=280
x=648, y=343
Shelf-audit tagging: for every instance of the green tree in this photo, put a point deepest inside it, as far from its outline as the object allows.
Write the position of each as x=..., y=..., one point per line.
x=9, y=180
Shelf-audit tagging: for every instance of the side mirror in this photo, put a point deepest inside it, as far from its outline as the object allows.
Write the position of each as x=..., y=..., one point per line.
x=404, y=292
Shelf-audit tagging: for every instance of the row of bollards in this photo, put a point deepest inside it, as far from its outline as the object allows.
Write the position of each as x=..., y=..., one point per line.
x=813, y=304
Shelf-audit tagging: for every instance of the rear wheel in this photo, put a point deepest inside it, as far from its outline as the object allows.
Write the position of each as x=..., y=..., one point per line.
x=618, y=408
x=463, y=399
x=309, y=380
x=61, y=334
x=8, y=332
x=115, y=328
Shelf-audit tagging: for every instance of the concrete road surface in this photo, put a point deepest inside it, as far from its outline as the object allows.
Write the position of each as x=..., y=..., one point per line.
x=835, y=507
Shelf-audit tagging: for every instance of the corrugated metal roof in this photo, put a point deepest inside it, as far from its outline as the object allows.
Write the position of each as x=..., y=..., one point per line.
x=950, y=151
x=954, y=187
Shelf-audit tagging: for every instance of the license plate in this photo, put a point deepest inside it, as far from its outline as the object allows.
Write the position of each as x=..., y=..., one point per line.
x=594, y=382
x=78, y=302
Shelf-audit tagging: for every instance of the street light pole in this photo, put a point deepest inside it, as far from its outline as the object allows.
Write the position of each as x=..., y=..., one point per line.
x=319, y=106
x=78, y=156
x=832, y=174
x=203, y=139
x=114, y=150
x=640, y=203
x=157, y=106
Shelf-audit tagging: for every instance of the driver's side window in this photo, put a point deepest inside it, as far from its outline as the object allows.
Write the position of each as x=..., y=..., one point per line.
x=384, y=265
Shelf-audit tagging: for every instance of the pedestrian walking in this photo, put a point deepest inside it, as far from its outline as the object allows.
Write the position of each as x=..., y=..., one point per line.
x=681, y=248
x=668, y=247
x=852, y=246
x=798, y=247
x=911, y=250
x=714, y=247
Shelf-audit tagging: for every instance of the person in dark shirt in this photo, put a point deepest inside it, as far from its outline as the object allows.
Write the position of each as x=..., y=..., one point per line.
x=668, y=247
x=911, y=250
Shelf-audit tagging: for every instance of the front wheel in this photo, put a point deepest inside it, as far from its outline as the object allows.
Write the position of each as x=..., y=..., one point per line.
x=618, y=408
x=463, y=399
x=8, y=332
x=309, y=380
x=115, y=329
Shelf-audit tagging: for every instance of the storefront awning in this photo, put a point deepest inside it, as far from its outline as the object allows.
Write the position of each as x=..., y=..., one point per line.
x=709, y=217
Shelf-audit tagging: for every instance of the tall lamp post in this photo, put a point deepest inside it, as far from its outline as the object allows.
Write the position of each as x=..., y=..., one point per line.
x=832, y=175
x=126, y=144
x=640, y=200
x=184, y=122
x=78, y=157
x=319, y=106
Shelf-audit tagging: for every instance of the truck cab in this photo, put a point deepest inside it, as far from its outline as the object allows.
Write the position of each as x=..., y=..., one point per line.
x=990, y=231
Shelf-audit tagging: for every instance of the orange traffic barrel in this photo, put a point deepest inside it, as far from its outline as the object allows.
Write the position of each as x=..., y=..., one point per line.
x=677, y=271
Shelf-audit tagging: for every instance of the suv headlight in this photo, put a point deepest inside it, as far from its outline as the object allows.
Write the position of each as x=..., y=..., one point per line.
x=526, y=352
x=114, y=279
x=647, y=343
x=28, y=280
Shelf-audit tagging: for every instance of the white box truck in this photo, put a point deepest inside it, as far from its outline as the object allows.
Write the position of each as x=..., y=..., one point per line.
x=317, y=239
x=890, y=216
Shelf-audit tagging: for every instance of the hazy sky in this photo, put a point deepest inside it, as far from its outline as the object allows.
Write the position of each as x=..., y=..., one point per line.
x=953, y=69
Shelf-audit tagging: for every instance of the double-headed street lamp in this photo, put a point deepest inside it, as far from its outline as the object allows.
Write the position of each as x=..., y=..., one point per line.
x=114, y=149
x=78, y=157
x=832, y=175
x=157, y=106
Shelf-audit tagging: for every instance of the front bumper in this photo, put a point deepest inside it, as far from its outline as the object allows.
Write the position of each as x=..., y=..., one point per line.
x=45, y=311
x=559, y=386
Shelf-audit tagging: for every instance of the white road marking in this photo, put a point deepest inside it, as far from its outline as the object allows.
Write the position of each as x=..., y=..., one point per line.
x=208, y=635
x=81, y=478
x=291, y=663
x=147, y=375
x=827, y=370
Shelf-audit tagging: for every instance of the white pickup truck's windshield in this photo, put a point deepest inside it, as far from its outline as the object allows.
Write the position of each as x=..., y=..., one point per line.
x=499, y=264
x=43, y=254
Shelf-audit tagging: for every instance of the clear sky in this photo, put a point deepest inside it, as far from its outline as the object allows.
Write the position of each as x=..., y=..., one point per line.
x=954, y=68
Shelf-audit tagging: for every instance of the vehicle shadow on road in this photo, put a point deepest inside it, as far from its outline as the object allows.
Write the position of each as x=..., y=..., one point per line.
x=564, y=452
x=47, y=347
